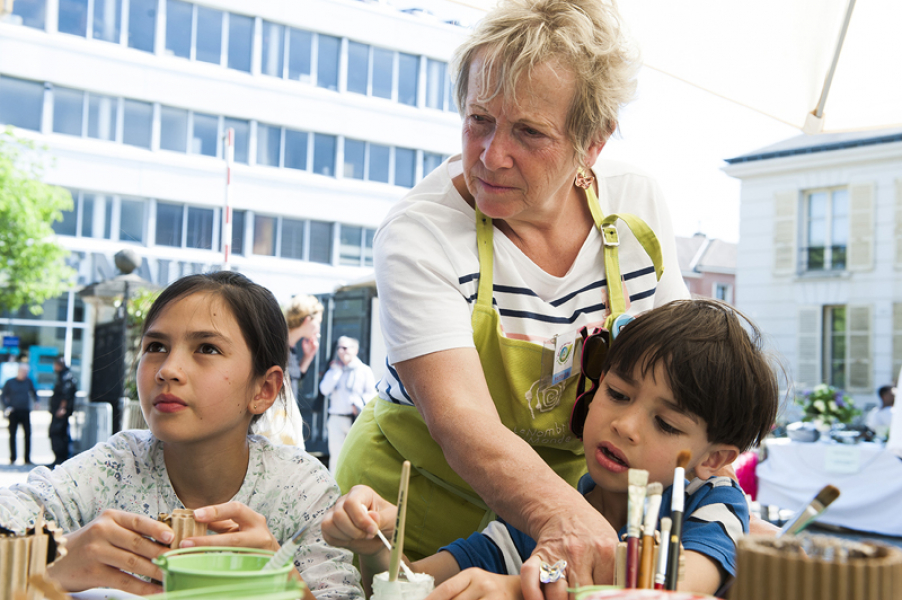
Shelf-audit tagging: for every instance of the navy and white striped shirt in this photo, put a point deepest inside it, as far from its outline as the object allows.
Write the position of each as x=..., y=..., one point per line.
x=427, y=270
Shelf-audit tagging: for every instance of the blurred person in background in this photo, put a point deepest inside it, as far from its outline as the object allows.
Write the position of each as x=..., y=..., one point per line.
x=19, y=396
x=349, y=384
x=880, y=417
x=304, y=316
x=62, y=403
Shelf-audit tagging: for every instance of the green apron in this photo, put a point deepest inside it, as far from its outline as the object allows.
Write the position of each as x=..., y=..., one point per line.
x=442, y=507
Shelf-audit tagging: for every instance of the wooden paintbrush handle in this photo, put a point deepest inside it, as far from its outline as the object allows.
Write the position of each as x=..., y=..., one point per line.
x=646, y=568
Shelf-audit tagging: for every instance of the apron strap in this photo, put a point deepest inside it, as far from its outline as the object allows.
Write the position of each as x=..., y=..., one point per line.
x=473, y=499
x=611, y=240
x=485, y=247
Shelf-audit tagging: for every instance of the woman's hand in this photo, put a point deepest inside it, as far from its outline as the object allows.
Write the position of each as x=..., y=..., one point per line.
x=236, y=524
x=356, y=517
x=474, y=583
x=585, y=540
x=109, y=549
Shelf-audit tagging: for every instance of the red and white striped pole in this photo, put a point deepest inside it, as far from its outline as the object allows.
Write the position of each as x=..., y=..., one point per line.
x=227, y=210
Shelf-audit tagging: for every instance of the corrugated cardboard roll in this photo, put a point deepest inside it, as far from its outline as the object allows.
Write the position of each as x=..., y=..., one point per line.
x=816, y=568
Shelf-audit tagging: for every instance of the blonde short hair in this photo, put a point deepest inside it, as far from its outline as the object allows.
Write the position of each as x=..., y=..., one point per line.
x=583, y=35
x=300, y=308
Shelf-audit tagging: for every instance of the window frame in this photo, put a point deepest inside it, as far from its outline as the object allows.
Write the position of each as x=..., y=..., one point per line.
x=829, y=260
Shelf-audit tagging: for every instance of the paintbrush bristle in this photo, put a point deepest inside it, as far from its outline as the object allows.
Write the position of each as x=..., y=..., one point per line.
x=683, y=458
x=638, y=477
x=654, y=489
x=827, y=495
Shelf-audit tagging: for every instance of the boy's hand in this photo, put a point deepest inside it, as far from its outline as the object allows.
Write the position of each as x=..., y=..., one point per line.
x=109, y=549
x=475, y=583
x=356, y=517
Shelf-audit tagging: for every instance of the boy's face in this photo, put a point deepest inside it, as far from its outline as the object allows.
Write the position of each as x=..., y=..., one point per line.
x=635, y=422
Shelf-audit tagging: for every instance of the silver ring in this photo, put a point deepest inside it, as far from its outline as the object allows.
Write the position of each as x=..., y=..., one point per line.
x=551, y=573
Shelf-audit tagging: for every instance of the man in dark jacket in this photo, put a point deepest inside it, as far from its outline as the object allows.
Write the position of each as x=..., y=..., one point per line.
x=18, y=399
x=62, y=403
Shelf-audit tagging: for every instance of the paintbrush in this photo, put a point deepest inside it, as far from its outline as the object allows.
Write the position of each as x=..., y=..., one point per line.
x=646, y=569
x=676, y=515
x=407, y=570
x=394, y=563
x=286, y=552
x=810, y=511
x=661, y=572
x=638, y=480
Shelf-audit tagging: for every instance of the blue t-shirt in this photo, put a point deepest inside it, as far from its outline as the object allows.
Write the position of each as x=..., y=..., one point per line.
x=715, y=516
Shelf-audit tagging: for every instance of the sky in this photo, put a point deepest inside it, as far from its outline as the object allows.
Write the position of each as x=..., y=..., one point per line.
x=681, y=136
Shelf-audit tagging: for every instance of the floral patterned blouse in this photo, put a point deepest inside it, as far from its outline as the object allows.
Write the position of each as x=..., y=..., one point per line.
x=283, y=483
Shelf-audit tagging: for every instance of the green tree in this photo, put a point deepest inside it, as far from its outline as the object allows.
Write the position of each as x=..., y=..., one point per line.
x=32, y=264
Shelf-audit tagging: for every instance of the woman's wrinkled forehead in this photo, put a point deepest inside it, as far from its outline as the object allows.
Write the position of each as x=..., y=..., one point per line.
x=492, y=75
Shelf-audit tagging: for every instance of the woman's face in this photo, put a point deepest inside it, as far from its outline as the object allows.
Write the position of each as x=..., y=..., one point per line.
x=519, y=164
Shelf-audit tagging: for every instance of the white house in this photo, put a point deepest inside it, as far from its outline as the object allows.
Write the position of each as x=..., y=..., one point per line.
x=820, y=252
x=338, y=107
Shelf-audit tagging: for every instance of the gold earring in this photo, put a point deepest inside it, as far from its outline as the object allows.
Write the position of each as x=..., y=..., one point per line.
x=583, y=180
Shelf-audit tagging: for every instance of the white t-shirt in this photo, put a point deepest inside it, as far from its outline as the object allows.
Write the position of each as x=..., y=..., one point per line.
x=427, y=270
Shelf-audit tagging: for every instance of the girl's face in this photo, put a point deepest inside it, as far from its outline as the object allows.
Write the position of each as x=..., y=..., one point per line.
x=634, y=422
x=194, y=376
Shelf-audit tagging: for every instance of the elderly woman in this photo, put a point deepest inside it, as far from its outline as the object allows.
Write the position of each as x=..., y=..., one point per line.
x=493, y=263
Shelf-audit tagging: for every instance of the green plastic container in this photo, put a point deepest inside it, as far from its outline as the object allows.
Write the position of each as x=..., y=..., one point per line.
x=203, y=567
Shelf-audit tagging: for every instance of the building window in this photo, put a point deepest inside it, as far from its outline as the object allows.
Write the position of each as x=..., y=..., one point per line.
x=142, y=24
x=320, y=242
x=723, y=292
x=199, y=233
x=179, y=25
x=408, y=78
x=324, y=154
x=73, y=17
x=137, y=123
x=431, y=161
x=106, y=21
x=68, y=111
x=269, y=145
x=240, y=142
x=383, y=69
x=405, y=166
x=380, y=160
x=300, y=55
x=835, y=346
x=438, y=86
x=205, y=134
x=173, y=129
x=296, y=149
x=169, y=224
x=69, y=224
x=21, y=103
x=328, y=50
x=264, y=235
x=31, y=12
x=292, y=239
x=272, y=49
x=241, y=38
x=354, y=159
x=826, y=229
x=131, y=220
x=103, y=113
x=208, y=44
x=239, y=217
x=358, y=68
